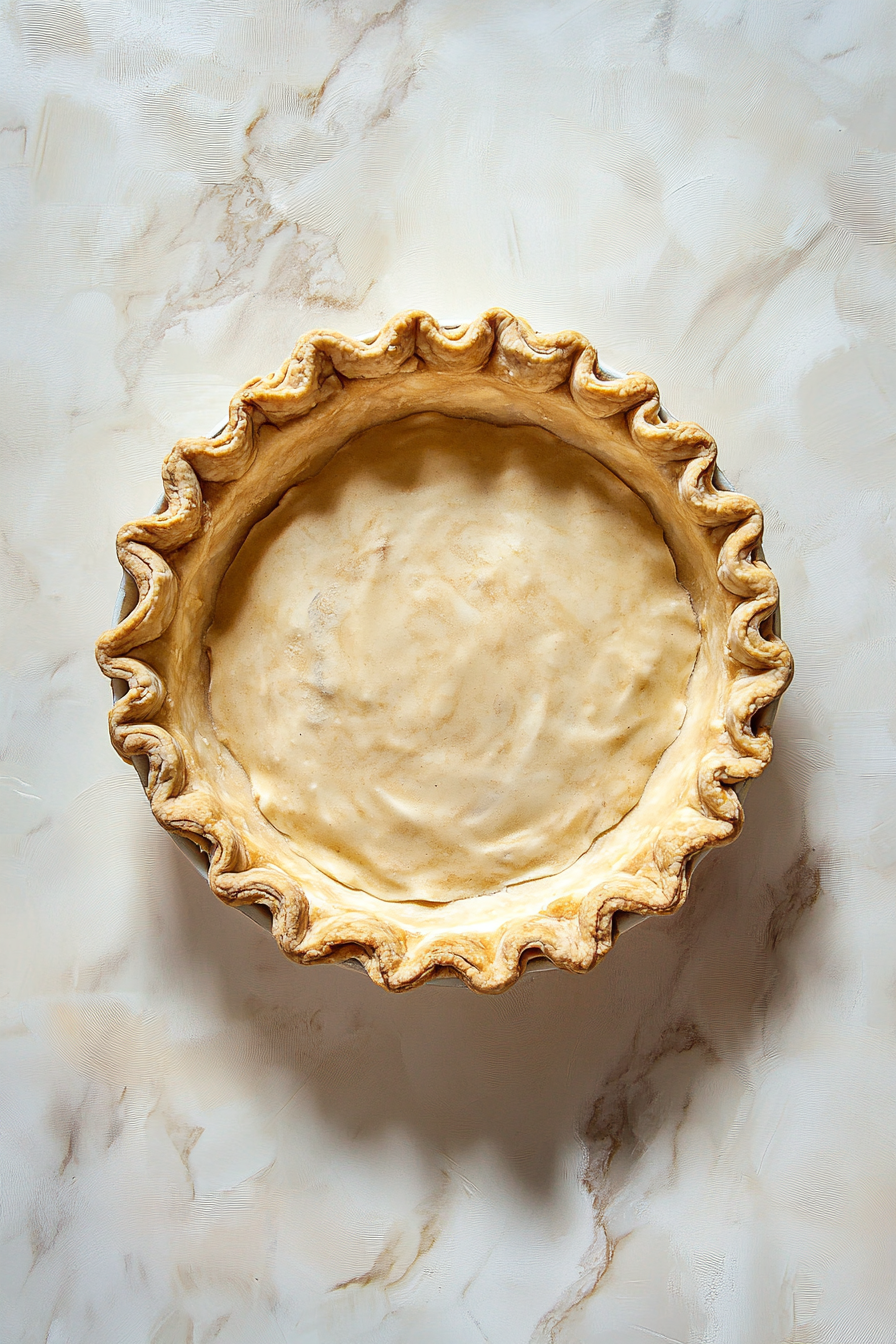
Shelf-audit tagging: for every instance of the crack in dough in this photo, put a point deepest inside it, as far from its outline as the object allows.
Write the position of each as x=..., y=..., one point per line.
x=452, y=659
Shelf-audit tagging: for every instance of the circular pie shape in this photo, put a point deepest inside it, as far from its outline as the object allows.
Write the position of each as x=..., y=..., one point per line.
x=448, y=650
x=467, y=650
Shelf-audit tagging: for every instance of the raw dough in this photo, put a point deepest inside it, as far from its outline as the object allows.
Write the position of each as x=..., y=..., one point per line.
x=452, y=658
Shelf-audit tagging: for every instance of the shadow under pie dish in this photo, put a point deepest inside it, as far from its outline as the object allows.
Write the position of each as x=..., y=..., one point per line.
x=448, y=651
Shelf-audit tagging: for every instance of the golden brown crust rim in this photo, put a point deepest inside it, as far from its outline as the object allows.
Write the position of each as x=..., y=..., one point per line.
x=576, y=933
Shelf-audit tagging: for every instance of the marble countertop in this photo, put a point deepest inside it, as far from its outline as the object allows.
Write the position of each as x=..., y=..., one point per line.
x=200, y=1141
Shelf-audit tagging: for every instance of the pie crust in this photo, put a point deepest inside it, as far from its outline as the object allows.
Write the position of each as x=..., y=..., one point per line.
x=448, y=650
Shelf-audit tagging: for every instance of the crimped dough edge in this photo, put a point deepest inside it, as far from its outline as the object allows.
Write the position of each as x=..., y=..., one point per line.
x=325, y=364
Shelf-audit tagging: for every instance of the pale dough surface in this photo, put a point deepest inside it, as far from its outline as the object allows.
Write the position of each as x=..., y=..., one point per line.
x=452, y=658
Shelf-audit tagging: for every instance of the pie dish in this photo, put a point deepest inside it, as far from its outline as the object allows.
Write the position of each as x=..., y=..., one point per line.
x=447, y=651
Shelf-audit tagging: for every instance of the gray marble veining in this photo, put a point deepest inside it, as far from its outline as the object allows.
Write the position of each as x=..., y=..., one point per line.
x=200, y=1141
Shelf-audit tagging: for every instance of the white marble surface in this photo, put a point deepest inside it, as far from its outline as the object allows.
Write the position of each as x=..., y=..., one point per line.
x=201, y=1141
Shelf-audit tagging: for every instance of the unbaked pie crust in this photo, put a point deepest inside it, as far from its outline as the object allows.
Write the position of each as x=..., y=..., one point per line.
x=447, y=651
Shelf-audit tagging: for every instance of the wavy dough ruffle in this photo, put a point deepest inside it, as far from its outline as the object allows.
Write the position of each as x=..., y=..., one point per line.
x=288, y=429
